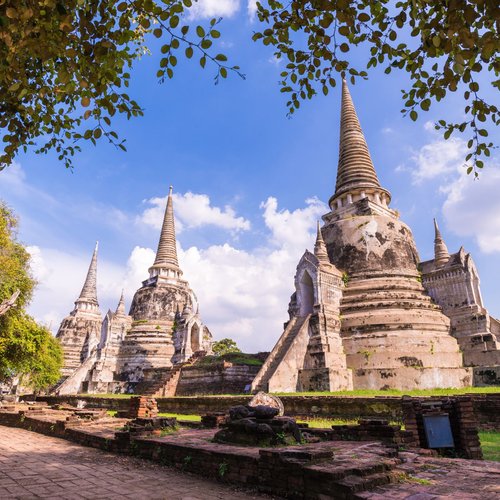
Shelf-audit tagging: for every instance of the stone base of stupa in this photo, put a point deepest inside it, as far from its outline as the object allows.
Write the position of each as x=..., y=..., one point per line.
x=408, y=379
x=147, y=345
x=394, y=337
x=325, y=380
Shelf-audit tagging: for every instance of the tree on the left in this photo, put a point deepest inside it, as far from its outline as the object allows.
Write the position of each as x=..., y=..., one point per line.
x=27, y=350
x=64, y=66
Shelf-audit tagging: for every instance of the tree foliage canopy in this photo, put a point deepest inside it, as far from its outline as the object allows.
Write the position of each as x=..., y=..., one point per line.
x=64, y=66
x=224, y=346
x=26, y=348
x=442, y=44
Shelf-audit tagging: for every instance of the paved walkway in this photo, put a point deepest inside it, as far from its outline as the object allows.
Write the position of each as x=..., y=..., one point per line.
x=37, y=466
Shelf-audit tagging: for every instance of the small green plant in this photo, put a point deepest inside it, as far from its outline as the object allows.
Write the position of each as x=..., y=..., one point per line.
x=432, y=347
x=167, y=431
x=404, y=477
x=134, y=448
x=22, y=417
x=52, y=427
x=367, y=354
x=223, y=468
x=345, y=278
x=188, y=459
x=281, y=437
x=157, y=327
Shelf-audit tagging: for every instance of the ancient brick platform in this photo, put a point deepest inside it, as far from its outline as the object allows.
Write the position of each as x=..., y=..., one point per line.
x=35, y=466
x=329, y=469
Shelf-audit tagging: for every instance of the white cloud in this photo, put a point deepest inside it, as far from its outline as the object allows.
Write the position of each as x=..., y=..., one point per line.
x=192, y=211
x=13, y=179
x=472, y=207
x=244, y=294
x=252, y=9
x=17, y=187
x=438, y=158
x=291, y=229
x=211, y=8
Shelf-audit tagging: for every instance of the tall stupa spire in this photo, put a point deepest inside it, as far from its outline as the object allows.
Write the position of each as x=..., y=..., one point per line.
x=166, y=254
x=356, y=174
x=88, y=295
x=320, y=247
x=441, y=254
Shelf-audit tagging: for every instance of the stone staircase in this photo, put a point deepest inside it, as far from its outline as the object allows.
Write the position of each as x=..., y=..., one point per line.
x=164, y=383
x=261, y=381
x=73, y=384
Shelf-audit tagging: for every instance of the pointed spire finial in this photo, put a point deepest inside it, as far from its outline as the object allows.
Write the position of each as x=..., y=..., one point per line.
x=355, y=171
x=166, y=255
x=120, y=308
x=89, y=290
x=320, y=247
x=441, y=254
x=355, y=164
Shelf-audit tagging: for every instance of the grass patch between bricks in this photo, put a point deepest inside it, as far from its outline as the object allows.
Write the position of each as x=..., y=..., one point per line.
x=490, y=444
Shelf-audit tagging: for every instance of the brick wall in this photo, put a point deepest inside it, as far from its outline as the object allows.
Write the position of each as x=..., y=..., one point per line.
x=486, y=406
x=460, y=411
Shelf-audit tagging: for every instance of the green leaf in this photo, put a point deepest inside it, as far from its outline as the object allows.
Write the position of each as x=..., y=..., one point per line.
x=174, y=22
x=425, y=104
x=200, y=31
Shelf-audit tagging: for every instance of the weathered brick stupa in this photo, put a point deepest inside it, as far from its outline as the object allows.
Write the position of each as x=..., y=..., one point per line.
x=163, y=329
x=79, y=331
x=163, y=304
x=393, y=334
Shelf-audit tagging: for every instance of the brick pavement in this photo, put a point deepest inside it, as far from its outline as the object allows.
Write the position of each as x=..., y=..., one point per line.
x=37, y=466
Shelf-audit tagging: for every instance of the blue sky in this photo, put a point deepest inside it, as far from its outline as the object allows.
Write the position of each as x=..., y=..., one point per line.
x=249, y=183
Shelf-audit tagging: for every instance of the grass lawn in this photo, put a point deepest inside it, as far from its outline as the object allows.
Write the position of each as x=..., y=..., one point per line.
x=180, y=417
x=394, y=392
x=490, y=443
x=358, y=393
x=325, y=423
x=116, y=396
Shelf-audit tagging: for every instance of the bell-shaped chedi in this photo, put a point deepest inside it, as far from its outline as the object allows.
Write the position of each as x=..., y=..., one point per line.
x=79, y=331
x=151, y=342
x=393, y=334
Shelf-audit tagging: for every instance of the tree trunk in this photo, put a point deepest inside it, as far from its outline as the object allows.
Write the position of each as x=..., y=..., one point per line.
x=8, y=303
